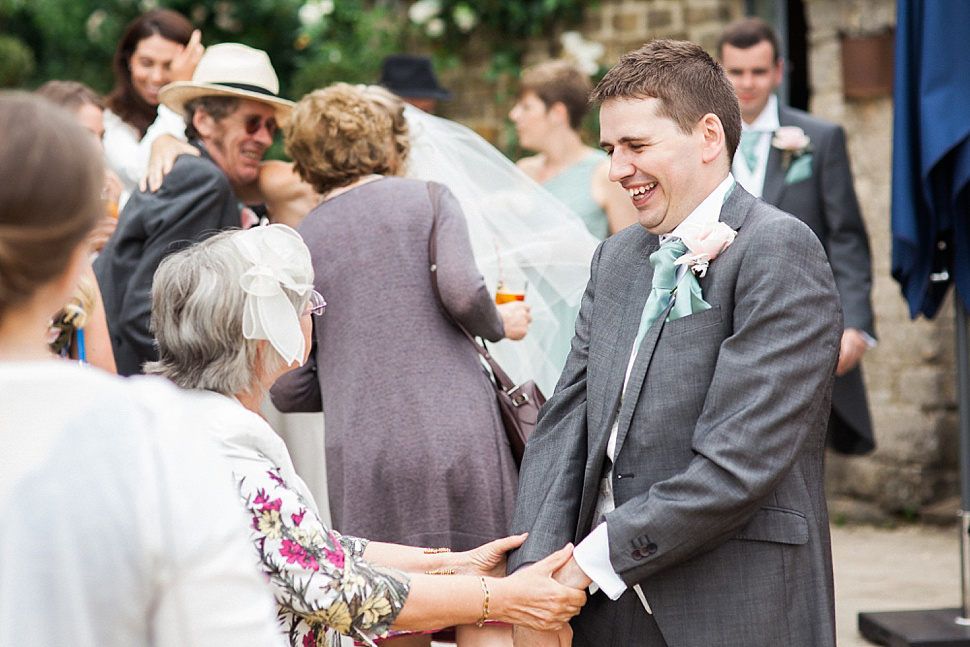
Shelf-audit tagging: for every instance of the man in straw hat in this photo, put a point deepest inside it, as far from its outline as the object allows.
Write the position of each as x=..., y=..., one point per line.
x=232, y=111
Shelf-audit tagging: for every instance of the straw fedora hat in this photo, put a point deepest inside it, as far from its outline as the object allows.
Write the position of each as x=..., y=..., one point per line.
x=231, y=70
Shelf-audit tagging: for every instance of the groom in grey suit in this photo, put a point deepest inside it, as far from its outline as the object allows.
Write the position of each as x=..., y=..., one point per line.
x=813, y=182
x=683, y=454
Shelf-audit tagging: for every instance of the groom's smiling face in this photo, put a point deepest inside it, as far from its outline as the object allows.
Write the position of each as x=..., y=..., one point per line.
x=654, y=160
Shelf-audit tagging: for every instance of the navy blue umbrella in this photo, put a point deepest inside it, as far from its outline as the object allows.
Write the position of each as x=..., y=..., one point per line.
x=931, y=242
x=931, y=153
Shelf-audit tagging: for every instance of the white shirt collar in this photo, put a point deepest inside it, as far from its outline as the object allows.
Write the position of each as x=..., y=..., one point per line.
x=708, y=211
x=767, y=121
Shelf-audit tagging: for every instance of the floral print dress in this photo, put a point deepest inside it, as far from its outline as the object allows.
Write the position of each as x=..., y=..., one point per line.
x=320, y=579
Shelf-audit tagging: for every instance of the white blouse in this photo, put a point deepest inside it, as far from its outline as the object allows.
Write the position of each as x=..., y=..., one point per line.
x=127, y=155
x=119, y=526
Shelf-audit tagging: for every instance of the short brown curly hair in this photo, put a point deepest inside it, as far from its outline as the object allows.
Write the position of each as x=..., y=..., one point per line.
x=337, y=135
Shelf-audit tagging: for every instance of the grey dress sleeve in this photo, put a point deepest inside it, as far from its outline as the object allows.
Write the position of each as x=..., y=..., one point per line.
x=463, y=290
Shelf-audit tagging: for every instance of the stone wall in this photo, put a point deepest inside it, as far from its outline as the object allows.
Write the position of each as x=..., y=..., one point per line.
x=911, y=373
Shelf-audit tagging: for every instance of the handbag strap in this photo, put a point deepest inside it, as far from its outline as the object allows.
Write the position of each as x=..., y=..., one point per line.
x=501, y=377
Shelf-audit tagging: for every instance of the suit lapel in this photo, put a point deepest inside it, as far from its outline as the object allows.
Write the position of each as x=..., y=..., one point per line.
x=774, y=174
x=629, y=322
x=637, y=375
x=620, y=344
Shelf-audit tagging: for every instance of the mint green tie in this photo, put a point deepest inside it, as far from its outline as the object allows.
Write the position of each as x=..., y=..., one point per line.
x=663, y=286
x=749, y=145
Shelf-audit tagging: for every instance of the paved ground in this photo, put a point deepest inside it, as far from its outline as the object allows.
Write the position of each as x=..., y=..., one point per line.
x=910, y=567
x=877, y=569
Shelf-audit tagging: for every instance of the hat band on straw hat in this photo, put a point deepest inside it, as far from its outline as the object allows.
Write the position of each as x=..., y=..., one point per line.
x=245, y=86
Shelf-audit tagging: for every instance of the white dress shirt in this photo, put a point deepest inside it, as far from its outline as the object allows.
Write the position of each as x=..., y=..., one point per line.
x=766, y=123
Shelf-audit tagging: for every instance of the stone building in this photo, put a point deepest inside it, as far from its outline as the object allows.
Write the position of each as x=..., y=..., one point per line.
x=911, y=374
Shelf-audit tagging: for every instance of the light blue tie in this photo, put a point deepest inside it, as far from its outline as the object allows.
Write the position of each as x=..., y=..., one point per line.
x=663, y=286
x=749, y=146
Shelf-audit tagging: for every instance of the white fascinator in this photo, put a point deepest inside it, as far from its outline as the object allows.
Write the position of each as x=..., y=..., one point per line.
x=279, y=259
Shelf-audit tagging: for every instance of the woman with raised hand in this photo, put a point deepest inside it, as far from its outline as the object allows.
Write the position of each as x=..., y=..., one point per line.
x=157, y=48
x=231, y=315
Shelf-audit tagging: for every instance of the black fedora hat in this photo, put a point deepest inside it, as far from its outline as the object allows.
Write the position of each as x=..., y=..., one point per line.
x=411, y=77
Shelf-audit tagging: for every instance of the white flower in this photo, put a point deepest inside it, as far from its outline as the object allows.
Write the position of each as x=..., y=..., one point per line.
x=310, y=14
x=585, y=53
x=93, y=24
x=465, y=18
x=435, y=27
x=704, y=243
x=314, y=11
x=424, y=10
x=792, y=139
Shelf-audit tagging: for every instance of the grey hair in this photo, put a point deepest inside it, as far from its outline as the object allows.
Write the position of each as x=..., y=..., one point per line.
x=197, y=319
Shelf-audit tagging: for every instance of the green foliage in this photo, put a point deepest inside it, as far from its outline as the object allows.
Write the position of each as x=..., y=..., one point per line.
x=16, y=62
x=311, y=42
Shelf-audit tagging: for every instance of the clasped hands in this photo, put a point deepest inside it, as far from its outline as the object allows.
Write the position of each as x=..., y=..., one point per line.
x=568, y=574
x=540, y=598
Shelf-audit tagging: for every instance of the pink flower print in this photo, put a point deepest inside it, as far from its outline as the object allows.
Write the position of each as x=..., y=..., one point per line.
x=334, y=557
x=294, y=552
x=275, y=475
x=275, y=504
x=261, y=497
x=298, y=518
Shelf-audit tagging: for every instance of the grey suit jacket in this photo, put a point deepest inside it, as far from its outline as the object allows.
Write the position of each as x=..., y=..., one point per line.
x=718, y=477
x=195, y=200
x=827, y=203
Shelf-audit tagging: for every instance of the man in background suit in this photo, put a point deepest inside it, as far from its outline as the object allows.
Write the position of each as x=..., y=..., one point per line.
x=807, y=174
x=683, y=452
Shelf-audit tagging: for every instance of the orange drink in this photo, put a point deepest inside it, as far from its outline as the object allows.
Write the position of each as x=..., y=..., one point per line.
x=511, y=290
x=506, y=296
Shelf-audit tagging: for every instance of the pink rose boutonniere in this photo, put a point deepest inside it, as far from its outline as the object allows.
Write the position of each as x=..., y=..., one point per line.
x=704, y=243
x=792, y=142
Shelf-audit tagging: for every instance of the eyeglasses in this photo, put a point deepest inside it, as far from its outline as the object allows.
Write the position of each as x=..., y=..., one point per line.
x=254, y=123
x=317, y=305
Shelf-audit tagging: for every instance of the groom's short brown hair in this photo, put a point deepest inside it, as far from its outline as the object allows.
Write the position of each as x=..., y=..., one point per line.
x=686, y=80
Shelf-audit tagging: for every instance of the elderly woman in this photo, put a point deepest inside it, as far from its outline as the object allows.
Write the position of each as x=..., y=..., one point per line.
x=231, y=315
x=105, y=540
x=415, y=449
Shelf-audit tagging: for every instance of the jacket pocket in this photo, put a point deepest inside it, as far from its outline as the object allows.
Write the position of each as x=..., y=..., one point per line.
x=693, y=322
x=776, y=524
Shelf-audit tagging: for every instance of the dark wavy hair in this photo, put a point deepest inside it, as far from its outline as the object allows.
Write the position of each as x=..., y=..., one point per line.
x=124, y=100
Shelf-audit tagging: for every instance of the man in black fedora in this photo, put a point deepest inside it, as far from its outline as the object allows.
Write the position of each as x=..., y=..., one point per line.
x=413, y=79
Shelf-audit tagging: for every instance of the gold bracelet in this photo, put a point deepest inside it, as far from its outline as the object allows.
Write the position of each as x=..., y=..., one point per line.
x=435, y=551
x=484, y=604
x=441, y=571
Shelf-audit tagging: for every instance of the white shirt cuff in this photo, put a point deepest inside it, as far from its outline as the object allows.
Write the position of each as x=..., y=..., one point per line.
x=593, y=556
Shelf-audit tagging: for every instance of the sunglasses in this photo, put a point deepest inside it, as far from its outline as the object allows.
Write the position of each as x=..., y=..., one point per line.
x=254, y=123
x=316, y=305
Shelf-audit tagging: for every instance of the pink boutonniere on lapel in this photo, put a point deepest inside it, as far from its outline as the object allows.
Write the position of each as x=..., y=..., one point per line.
x=704, y=243
x=792, y=142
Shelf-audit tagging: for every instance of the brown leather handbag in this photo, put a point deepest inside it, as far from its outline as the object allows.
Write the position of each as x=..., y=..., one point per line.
x=518, y=404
